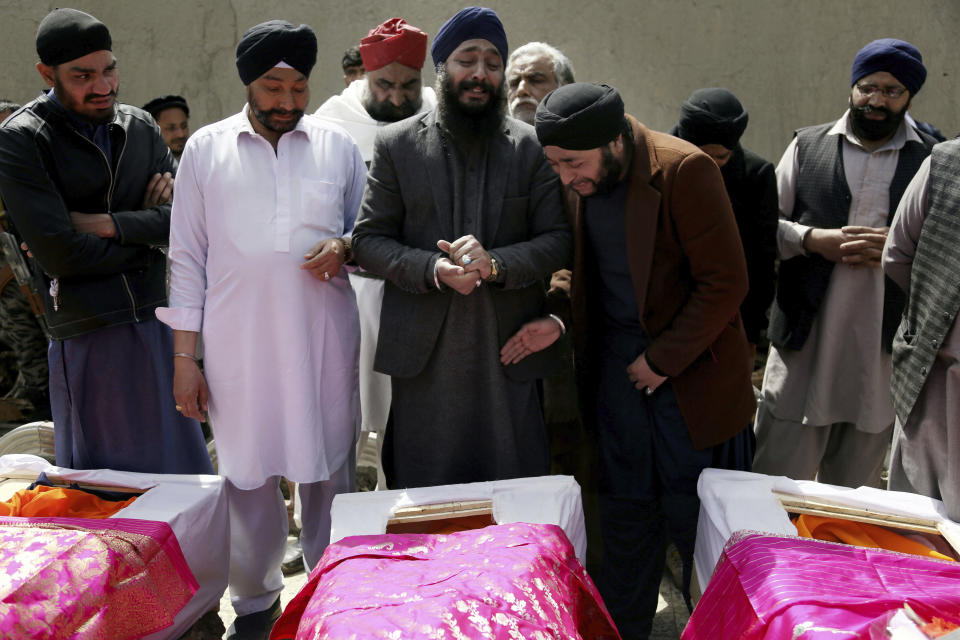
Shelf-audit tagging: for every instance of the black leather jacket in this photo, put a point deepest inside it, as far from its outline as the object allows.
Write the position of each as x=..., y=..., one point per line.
x=48, y=169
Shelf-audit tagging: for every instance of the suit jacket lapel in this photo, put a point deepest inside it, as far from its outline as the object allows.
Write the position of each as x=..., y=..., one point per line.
x=642, y=212
x=433, y=150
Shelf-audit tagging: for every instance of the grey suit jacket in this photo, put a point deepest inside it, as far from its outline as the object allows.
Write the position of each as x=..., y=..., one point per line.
x=408, y=206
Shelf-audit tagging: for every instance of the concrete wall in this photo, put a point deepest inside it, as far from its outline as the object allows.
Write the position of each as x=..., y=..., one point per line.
x=787, y=60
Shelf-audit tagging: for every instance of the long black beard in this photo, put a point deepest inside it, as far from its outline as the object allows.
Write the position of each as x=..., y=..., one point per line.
x=463, y=122
x=873, y=130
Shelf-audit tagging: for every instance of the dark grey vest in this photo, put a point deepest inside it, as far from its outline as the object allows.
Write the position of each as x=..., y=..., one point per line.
x=934, y=296
x=823, y=201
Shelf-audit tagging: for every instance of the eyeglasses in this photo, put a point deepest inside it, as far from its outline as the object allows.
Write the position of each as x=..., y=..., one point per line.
x=867, y=91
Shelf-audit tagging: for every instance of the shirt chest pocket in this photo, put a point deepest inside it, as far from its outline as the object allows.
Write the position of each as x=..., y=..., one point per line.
x=319, y=208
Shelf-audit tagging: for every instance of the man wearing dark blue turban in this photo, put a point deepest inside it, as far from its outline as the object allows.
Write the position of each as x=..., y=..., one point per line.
x=462, y=216
x=826, y=408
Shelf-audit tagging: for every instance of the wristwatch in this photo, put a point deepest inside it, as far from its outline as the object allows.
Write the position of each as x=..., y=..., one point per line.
x=494, y=270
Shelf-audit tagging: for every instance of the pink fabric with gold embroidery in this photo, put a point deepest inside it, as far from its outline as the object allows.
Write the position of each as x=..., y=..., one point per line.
x=89, y=579
x=768, y=587
x=517, y=581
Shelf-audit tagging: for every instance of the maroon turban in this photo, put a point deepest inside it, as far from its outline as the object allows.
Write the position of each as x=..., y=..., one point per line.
x=394, y=41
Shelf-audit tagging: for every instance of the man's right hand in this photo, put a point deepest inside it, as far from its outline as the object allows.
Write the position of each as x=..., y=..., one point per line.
x=463, y=282
x=190, y=389
x=159, y=190
x=850, y=245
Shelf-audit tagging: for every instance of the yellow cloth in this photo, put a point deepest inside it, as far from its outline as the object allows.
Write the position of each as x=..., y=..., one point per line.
x=57, y=502
x=861, y=534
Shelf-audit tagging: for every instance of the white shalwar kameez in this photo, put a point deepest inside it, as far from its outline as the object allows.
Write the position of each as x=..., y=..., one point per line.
x=280, y=346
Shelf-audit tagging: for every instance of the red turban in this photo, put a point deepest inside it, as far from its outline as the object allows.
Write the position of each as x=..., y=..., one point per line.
x=394, y=41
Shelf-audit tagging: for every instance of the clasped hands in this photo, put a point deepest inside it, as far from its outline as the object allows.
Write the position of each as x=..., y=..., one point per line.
x=465, y=266
x=851, y=245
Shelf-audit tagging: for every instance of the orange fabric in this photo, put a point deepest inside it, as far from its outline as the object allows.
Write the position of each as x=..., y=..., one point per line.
x=57, y=502
x=861, y=534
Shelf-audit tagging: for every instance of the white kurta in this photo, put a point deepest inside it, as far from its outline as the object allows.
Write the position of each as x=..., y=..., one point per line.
x=842, y=373
x=347, y=110
x=280, y=346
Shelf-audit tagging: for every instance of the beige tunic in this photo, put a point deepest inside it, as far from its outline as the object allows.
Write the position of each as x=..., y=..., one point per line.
x=842, y=373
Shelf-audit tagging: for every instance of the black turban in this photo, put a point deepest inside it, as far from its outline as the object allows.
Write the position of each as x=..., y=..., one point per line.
x=580, y=116
x=274, y=41
x=468, y=24
x=68, y=34
x=712, y=116
x=155, y=106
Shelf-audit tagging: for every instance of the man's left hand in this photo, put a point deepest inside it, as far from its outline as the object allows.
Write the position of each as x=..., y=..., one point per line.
x=99, y=224
x=534, y=336
x=642, y=376
x=324, y=259
x=467, y=252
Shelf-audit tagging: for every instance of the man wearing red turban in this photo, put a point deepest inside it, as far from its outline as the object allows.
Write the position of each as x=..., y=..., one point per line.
x=393, y=54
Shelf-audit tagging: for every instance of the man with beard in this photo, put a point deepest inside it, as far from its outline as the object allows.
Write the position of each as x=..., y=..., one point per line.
x=463, y=218
x=173, y=117
x=265, y=201
x=87, y=184
x=661, y=355
x=393, y=55
x=826, y=409
x=533, y=71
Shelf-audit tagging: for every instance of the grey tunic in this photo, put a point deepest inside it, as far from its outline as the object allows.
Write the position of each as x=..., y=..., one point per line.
x=461, y=419
x=925, y=446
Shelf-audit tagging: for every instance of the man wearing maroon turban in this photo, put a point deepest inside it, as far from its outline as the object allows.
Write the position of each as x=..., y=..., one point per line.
x=393, y=54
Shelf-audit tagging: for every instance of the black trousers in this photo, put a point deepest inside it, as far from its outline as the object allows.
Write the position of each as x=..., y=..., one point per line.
x=648, y=472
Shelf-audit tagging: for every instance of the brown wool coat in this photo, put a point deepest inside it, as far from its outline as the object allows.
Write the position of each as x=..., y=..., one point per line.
x=689, y=277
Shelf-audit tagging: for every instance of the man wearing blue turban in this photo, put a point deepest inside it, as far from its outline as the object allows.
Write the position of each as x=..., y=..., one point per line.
x=462, y=216
x=826, y=409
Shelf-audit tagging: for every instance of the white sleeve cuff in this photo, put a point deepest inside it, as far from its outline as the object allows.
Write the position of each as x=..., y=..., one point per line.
x=790, y=237
x=181, y=318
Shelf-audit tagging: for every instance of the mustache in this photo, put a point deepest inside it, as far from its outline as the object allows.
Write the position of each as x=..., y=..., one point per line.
x=516, y=102
x=282, y=112
x=870, y=109
x=98, y=96
x=467, y=85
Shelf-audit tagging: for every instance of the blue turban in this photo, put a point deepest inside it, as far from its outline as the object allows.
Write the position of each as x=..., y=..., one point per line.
x=896, y=57
x=468, y=24
x=274, y=41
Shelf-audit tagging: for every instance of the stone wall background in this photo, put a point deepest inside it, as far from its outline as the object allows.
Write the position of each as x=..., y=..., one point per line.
x=787, y=60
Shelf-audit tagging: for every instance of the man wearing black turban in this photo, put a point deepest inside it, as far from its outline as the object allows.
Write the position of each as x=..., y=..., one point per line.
x=714, y=120
x=462, y=216
x=87, y=183
x=826, y=410
x=258, y=240
x=660, y=352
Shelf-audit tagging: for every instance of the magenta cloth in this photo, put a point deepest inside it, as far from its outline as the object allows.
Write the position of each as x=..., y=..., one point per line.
x=777, y=587
x=87, y=579
x=504, y=581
